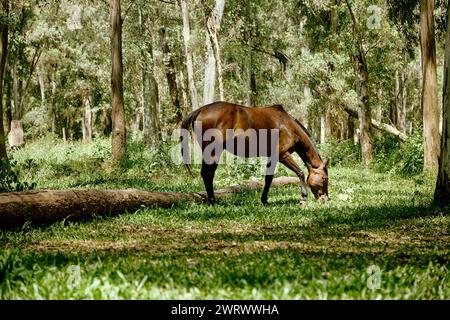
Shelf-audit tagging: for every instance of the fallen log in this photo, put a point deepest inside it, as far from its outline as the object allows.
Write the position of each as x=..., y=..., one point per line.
x=47, y=206
x=380, y=126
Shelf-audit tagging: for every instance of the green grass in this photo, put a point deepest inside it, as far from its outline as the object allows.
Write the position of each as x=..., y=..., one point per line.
x=237, y=249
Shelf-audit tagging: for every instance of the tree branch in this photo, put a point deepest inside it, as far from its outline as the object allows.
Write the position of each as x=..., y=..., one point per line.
x=128, y=9
x=168, y=2
x=380, y=126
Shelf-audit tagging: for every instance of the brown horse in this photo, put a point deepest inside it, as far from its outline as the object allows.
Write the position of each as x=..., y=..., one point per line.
x=231, y=122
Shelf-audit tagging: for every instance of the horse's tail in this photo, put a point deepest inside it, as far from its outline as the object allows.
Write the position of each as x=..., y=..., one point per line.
x=187, y=123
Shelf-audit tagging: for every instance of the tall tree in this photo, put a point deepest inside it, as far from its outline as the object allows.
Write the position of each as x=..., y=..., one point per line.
x=213, y=24
x=362, y=88
x=442, y=193
x=171, y=75
x=430, y=106
x=118, y=138
x=3, y=55
x=188, y=54
x=150, y=91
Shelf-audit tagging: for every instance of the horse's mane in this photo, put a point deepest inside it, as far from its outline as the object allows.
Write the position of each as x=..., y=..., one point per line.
x=309, y=136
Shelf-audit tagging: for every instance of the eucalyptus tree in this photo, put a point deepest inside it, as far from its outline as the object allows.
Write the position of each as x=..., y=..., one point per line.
x=213, y=63
x=184, y=5
x=408, y=14
x=4, y=5
x=442, y=191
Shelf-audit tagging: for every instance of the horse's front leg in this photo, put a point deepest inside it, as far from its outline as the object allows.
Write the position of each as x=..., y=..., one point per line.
x=270, y=169
x=289, y=162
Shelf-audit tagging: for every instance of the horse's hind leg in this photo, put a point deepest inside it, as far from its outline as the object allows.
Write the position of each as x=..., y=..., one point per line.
x=289, y=162
x=207, y=172
x=268, y=181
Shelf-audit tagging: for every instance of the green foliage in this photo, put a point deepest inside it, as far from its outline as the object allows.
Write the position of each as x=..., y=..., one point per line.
x=10, y=177
x=238, y=249
x=401, y=158
x=341, y=153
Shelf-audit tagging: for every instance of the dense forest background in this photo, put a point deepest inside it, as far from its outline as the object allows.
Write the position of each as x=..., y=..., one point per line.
x=365, y=77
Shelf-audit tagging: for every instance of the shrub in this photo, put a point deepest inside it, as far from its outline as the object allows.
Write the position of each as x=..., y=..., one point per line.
x=396, y=157
x=9, y=177
x=341, y=153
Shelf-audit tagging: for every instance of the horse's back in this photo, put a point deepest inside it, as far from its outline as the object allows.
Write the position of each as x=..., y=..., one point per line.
x=234, y=116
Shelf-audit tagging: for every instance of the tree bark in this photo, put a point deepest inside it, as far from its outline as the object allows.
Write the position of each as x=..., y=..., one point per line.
x=397, y=101
x=184, y=94
x=210, y=68
x=442, y=192
x=402, y=109
x=118, y=138
x=364, y=115
x=323, y=129
x=3, y=55
x=150, y=91
x=152, y=133
x=188, y=54
x=16, y=137
x=47, y=206
x=212, y=27
x=87, y=120
x=53, y=99
x=171, y=75
x=41, y=80
x=8, y=97
x=429, y=100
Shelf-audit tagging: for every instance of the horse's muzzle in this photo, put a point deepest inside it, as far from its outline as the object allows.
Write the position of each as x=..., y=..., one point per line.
x=323, y=199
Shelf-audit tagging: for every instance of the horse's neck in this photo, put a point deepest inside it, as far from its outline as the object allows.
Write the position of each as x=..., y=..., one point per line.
x=308, y=150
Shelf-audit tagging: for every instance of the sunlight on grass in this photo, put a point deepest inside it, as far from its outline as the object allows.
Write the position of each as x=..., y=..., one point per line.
x=238, y=249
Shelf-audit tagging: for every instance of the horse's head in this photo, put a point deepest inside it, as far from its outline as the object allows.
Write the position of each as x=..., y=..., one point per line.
x=318, y=181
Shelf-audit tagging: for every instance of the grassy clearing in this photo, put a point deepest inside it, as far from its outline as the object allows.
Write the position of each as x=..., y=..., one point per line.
x=238, y=249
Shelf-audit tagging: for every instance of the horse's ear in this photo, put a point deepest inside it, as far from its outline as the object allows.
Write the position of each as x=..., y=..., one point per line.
x=309, y=166
x=325, y=163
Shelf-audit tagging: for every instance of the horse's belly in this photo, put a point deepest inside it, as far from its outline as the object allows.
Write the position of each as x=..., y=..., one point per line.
x=251, y=146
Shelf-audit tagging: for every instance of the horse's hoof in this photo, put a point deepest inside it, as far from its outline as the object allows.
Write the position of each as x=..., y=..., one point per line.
x=265, y=203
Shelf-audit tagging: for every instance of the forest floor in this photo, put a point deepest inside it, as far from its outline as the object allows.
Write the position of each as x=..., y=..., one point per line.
x=378, y=237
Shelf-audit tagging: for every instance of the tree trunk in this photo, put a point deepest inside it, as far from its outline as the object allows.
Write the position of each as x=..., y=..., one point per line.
x=442, y=192
x=118, y=139
x=87, y=120
x=53, y=99
x=430, y=106
x=213, y=27
x=41, y=80
x=364, y=115
x=397, y=101
x=184, y=94
x=379, y=112
x=150, y=91
x=3, y=55
x=362, y=84
x=351, y=127
x=252, y=94
x=171, y=75
x=323, y=129
x=8, y=97
x=47, y=206
x=210, y=68
x=188, y=53
x=402, y=109
x=16, y=137
x=152, y=133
